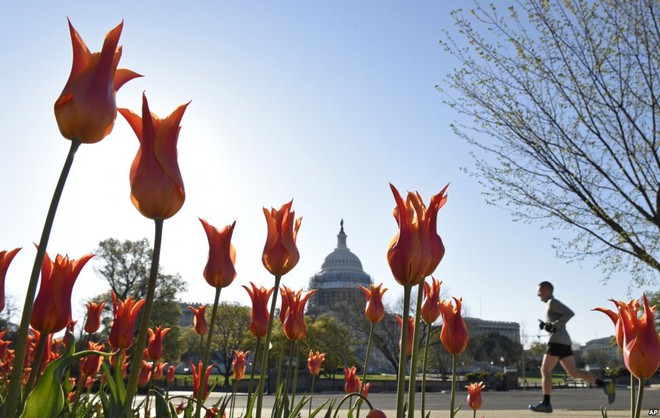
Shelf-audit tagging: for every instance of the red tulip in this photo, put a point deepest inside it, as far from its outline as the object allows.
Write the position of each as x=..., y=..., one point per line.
x=5, y=259
x=171, y=375
x=93, y=321
x=294, y=326
x=431, y=303
x=454, y=334
x=156, y=184
x=197, y=373
x=614, y=317
x=375, y=311
x=365, y=390
x=376, y=413
x=199, y=320
x=86, y=109
x=239, y=364
x=123, y=327
x=287, y=294
x=145, y=373
x=159, y=371
x=410, y=332
x=314, y=362
x=280, y=253
x=352, y=380
x=641, y=350
x=52, y=306
x=90, y=365
x=259, y=314
x=219, y=271
x=155, y=344
x=416, y=250
x=474, y=395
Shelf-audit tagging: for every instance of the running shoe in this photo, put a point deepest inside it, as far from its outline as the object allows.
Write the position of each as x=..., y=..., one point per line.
x=541, y=407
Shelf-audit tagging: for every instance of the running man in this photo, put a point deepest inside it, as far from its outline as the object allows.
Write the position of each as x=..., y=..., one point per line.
x=559, y=349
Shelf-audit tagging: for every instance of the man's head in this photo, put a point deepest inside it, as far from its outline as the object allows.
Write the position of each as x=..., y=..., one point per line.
x=544, y=291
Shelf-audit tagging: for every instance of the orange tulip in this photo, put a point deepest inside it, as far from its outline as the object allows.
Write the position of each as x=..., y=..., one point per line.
x=199, y=320
x=86, y=109
x=239, y=364
x=431, y=303
x=375, y=311
x=294, y=326
x=197, y=374
x=93, y=321
x=90, y=365
x=454, y=334
x=156, y=184
x=145, y=373
x=52, y=306
x=159, y=371
x=5, y=259
x=314, y=362
x=411, y=332
x=614, y=317
x=641, y=350
x=259, y=314
x=365, y=390
x=287, y=295
x=219, y=271
x=280, y=252
x=376, y=413
x=171, y=375
x=155, y=344
x=352, y=380
x=416, y=250
x=123, y=327
x=474, y=395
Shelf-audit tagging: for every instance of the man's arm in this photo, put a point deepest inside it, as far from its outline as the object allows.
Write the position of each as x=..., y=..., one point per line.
x=564, y=311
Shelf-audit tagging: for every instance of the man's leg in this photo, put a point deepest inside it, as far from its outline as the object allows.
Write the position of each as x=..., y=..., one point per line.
x=568, y=363
x=549, y=363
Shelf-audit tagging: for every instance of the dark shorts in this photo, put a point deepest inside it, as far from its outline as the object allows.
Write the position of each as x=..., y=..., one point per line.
x=559, y=350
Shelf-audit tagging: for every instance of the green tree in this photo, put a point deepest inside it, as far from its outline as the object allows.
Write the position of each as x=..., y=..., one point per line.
x=561, y=102
x=330, y=336
x=125, y=266
x=231, y=332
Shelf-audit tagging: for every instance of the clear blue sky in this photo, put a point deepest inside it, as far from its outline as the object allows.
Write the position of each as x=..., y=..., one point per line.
x=323, y=102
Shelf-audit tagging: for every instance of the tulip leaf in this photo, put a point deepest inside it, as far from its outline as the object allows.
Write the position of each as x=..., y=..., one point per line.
x=47, y=397
x=163, y=408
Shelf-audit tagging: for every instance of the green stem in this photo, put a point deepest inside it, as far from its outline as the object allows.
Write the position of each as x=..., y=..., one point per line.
x=288, y=371
x=36, y=363
x=640, y=397
x=254, y=366
x=415, y=353
x=453, y=385
x=207, y=353
x=233, y=398
x=80, y=384
x=136, y=361
x=426, y=352
x=633, y=408
x=264, y=357
x=311, y=396
x=295, y=374
x=403, y=357
x=280, y=360
x=366, y=363
x=21, y=340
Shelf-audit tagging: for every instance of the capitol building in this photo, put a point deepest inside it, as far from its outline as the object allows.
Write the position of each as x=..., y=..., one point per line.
x=337, y=282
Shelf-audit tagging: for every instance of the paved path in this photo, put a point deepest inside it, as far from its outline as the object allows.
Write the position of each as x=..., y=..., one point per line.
x=566, y=402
